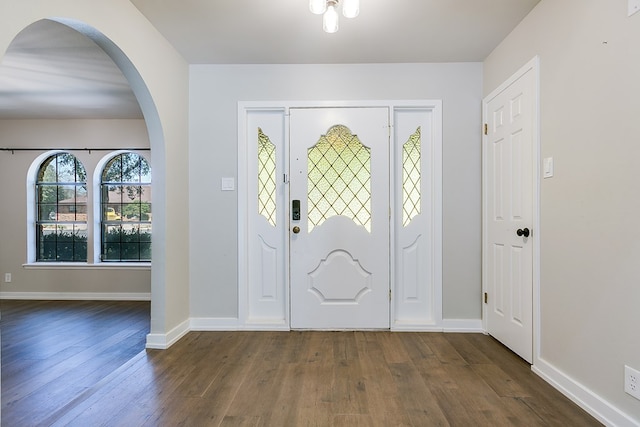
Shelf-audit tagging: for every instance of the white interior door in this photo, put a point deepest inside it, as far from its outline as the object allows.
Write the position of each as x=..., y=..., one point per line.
x=339, y=225
x=509, y=159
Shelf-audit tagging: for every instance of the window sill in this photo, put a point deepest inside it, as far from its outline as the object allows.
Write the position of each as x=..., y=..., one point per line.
x=87, y=266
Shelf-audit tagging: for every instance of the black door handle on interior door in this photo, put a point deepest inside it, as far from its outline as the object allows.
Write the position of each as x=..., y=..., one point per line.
x=523, y=232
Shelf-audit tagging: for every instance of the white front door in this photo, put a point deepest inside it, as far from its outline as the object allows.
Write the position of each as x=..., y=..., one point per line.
x=509, y=158
x=339, y=225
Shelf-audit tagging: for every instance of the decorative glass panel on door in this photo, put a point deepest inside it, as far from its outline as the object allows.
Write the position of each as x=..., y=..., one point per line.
x=411, y=178
x=266, y=178
x=339, y=181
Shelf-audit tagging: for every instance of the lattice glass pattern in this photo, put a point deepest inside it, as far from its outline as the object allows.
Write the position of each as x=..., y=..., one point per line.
x=411, y=178
x=266, y=178
x=339, y=178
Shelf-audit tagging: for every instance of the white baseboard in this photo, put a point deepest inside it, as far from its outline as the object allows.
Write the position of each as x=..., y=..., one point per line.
x=447, y=325
x=77, y=296
x=404, y=326
x=164, y=341
x=266, y=325
x=595, y=405
x=462, y=325
x=233, y=324
x=214, y=324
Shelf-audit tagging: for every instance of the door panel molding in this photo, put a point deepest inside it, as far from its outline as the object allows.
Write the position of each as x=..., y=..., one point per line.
x=509, y=131
x=263, y=296
x=416, y=245
x=340, y=260
x=417, y=233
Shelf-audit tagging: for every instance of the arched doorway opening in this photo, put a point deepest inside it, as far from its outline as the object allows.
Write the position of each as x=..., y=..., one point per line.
x=159, y=78
x=155, y=141
x=64, y=92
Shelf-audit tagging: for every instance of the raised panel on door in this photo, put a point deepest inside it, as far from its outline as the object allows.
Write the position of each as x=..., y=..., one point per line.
x=339, y=245
x=414, y=299
x=508, y=200
x=266, y=296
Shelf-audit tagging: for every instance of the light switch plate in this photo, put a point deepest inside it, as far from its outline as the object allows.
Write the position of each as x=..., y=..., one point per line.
x=228, y=184
x=634, y=6
x=547, y=167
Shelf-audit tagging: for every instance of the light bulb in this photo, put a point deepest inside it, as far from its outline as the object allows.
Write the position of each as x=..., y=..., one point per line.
x=351, y=8
x=317, y=6
x=330, y=20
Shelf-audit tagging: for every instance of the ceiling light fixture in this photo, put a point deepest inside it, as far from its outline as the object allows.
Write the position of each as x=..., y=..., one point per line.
x=350, y=9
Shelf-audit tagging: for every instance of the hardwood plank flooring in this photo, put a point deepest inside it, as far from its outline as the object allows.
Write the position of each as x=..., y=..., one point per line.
x=293, y=379
x=54, y=352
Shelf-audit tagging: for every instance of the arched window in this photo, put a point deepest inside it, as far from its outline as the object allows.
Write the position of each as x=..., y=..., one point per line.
x=61, y=206
x=125, y=188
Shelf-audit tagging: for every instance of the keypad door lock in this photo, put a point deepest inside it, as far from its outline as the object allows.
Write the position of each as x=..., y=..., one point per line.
x=295, y=210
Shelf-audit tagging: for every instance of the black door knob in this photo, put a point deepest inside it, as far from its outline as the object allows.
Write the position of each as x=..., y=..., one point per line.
x=523, y=232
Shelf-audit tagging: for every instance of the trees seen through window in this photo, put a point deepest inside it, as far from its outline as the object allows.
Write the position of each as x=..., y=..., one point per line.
x=126, y=209
x=122, y=208
x=61, y=223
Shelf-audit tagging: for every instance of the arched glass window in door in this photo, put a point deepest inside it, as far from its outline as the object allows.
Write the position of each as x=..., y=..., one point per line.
x=339, y=182
x=61, y=206
x=126, y=209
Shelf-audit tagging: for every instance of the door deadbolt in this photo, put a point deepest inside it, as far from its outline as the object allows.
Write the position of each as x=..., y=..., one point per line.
x=295, y=210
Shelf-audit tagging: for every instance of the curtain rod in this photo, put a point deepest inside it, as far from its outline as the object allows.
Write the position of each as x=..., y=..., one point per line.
x=74, y=149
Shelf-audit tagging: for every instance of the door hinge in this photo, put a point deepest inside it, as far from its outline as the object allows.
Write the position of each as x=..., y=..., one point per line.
x=486, y=129
x=486, y=297
x=389, y=294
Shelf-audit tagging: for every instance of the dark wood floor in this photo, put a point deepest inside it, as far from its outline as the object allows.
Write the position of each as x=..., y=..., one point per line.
x=55, y=352
x=271, y=379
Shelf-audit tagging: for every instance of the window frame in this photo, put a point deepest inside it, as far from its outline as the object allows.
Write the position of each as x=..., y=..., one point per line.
x=93, y=171
x=98, y=219
x=33, y=214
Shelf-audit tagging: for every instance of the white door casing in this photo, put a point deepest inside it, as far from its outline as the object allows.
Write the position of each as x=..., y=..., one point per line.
x=510, y=159
x=414, y=248
x=339, y=259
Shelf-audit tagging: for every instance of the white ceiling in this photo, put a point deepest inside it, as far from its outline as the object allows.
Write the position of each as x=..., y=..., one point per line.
x=51, y=71
x=285, y=31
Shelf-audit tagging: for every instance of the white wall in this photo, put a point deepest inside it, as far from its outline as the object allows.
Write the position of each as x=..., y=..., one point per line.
x=214, y=93
x=590, y=239
x=53, y=134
